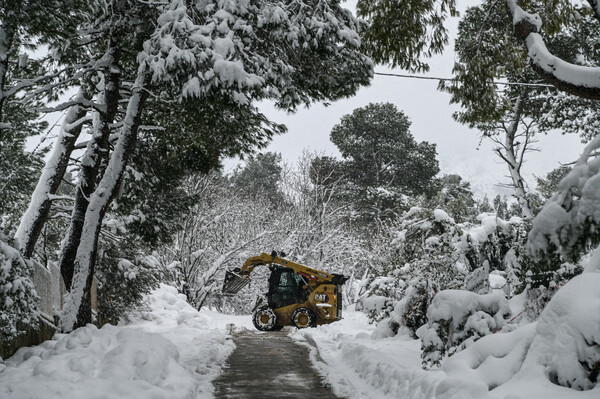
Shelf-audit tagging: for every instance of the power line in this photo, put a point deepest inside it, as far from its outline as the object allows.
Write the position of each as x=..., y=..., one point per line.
x=399, y=75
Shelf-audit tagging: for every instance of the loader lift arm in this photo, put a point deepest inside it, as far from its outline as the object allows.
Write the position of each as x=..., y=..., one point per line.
x=266, y=259
x=237, y=279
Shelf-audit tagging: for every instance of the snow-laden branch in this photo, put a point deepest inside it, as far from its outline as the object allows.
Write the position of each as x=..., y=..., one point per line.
x=67, y=104
x=203, y=288
x=575, y=79
x=570, y=218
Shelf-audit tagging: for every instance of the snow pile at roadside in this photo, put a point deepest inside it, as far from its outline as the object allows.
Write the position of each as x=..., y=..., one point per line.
x=494, y=359
x=357, y=366
x=168, y=351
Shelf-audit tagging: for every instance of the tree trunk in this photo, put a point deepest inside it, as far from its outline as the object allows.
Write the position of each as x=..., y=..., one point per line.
x=94, y=160
x=36, y=215
x=77, y=311
x=514, y=165
x=513, y=156
x=6, y=39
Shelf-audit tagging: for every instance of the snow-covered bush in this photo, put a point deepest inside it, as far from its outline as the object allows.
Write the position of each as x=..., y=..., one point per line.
x=567, y=341
x=124, y=278
x=430, y=252
x=494, y=245
x=563, y=346
x=409, y=313
x=377, y=307
x=17, y=293
x=494, y=359
x=456, y=319
x=569, y=220
x=422, y=260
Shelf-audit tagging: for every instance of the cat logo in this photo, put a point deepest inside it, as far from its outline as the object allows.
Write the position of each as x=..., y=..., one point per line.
x=321, y=297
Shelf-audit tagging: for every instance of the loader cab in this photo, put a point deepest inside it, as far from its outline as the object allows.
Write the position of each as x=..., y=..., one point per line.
x=285, y=288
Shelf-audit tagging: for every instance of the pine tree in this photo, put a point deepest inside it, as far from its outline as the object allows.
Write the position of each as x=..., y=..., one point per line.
x=260, y=177
x=382, y=163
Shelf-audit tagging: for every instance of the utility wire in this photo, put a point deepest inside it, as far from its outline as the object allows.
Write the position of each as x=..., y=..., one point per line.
x=399, y=75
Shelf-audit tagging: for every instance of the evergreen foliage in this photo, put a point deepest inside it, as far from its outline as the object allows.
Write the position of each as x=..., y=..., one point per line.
x=260, y=177
x=124, y=278
x=548, y=185
x=401, y=33
x=382, y=163
x=455, y=197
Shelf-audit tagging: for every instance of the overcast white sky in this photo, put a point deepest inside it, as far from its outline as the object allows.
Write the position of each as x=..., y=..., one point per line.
x=459, y=149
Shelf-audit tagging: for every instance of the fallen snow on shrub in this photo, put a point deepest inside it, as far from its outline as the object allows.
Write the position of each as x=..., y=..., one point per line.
x=550, y=359
x=567, y=341
x=494, y=359
x=168, y=351
x=456, y=319
x=521, y=362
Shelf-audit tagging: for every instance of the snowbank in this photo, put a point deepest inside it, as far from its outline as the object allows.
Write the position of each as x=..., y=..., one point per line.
x=567, y=340
x=357, y=366
x=168, y=351
x=543, y=359
x=528, y=362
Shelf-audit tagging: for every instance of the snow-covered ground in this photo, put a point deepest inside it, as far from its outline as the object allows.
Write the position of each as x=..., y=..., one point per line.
x=172, y=351
x=168, y=351
x=507, y=365
x=357, y=366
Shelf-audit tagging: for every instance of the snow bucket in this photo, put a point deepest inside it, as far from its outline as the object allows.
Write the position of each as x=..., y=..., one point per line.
x=234, y=282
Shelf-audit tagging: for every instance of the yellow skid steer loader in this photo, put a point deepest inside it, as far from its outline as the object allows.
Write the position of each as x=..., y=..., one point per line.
x=298, y=295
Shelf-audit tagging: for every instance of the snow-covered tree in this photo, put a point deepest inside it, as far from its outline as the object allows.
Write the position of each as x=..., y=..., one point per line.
x=125, y=275
x=260, y=177
x=495, y=246
x=513, y=113
x=219, y=232
x=220, y=53
x=454, y=196
x=431, y=252
x=423, y=260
